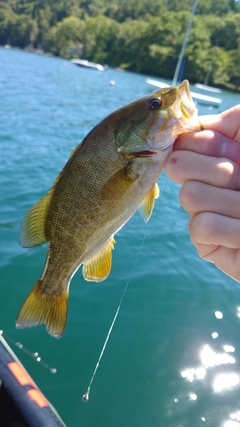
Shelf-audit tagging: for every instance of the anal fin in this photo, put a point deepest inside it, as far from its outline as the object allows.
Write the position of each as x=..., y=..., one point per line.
x=98, y=268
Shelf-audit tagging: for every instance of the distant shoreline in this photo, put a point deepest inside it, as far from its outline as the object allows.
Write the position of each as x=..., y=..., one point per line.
x=39, y=51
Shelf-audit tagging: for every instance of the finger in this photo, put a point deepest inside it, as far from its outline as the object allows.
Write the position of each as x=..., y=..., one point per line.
x=196, y=197
x=182, y=166
x=209, y=228
x=226, y=259
x=210, y=143
x=217, y=240
x=227, y=123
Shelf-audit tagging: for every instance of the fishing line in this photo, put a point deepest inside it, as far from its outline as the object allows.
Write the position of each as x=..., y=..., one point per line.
x=34, y=355
x=85, y=396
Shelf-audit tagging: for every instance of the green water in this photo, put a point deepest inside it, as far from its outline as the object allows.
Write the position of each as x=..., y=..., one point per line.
x=162, y=366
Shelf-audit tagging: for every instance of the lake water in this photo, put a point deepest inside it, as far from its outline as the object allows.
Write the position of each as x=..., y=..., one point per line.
x=166, y=363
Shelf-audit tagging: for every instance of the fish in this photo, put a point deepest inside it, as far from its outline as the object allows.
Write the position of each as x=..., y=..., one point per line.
x=108, y=177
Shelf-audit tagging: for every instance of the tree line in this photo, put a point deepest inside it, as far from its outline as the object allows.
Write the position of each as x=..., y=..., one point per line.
x=144, y=36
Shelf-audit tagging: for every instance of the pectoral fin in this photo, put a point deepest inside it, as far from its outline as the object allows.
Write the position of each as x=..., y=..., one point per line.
x=32, y=230
x=121, y=181
x=147, y=205
x=98, y=268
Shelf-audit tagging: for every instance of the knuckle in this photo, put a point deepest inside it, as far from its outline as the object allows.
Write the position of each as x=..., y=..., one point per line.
x=188, y=196
x=229, y=175
x=202, y=226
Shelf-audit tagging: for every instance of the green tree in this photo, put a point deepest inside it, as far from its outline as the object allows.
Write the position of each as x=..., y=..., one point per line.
x=24, y=31
x=222, y=71
x=43, y=17
x=139, y=35
x=199, y=51
x=129, y=49
x=226, y=34
x=66, y=34
x=213, y=7
x=165, y=37
x=234, y=72
x=100, y=37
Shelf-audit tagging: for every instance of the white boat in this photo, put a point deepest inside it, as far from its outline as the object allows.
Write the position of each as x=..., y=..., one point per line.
x=204, y=99
x=208, y=88
x=87, y=64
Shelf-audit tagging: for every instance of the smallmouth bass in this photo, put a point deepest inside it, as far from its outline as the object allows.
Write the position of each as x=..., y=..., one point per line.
x=108, y=177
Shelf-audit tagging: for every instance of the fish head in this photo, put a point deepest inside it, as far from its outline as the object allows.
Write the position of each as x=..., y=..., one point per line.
x=155, y=121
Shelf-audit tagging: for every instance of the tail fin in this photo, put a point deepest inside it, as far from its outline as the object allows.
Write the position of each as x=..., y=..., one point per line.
x=41, y=307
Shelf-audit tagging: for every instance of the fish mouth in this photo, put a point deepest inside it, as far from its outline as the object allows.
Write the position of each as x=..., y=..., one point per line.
x=150, y=153
x=145, y=153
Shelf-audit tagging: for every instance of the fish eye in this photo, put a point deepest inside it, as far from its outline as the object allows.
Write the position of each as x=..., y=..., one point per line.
x=154, y=103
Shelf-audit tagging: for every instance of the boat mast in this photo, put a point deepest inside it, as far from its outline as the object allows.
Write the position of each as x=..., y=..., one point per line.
x=180, y=59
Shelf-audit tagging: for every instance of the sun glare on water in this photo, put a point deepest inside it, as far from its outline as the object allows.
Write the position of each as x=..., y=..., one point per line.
x=216, y=370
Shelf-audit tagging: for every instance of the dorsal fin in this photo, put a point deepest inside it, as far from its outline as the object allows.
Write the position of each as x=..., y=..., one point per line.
x=147, y=204
x=32, y=231
x=98, y=268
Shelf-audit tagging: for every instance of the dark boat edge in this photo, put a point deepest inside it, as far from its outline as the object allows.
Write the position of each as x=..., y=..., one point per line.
x=22, y=403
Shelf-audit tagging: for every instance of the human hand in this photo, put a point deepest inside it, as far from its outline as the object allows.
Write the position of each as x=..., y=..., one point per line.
x=204, y=163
